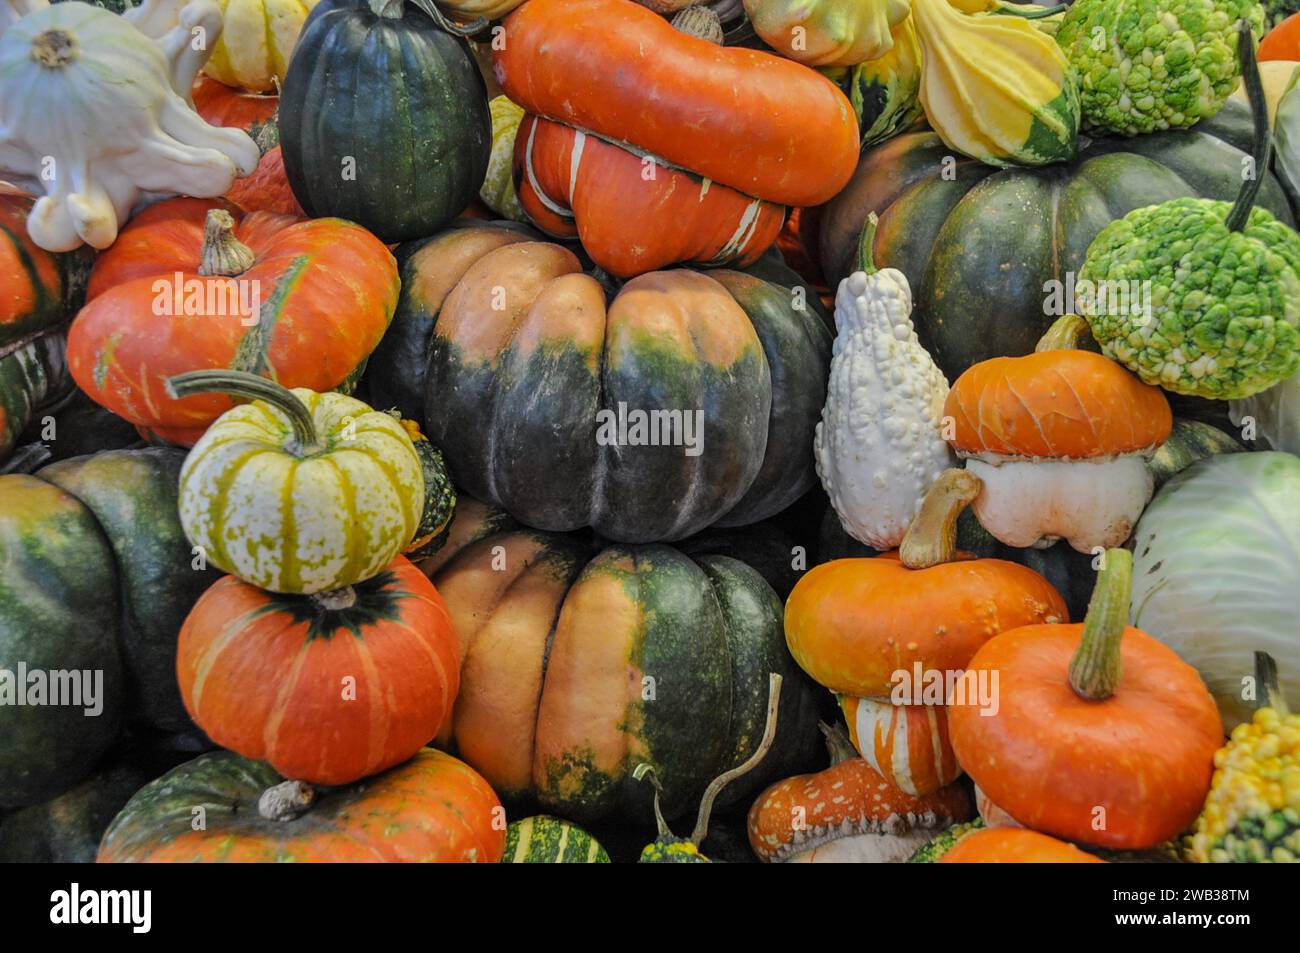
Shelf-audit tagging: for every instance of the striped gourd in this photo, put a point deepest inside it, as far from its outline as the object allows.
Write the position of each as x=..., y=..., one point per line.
x=32, y=374
x=298, y=492
x=885, y=92
x=907, y=744
x=255, y=45
x=498, y=188
x=548, y=840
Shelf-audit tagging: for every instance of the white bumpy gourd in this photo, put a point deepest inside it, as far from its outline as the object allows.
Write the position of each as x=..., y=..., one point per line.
x=95, y=113
x=879, y=445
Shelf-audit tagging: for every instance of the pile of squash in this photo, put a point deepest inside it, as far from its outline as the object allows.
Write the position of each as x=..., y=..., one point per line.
x=500, y=430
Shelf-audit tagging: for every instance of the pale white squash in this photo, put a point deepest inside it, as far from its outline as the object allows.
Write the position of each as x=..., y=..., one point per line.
x=94, y=113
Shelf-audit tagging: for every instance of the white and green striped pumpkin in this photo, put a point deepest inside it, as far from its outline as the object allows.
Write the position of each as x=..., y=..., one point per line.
x=548, y=840
x=298, y=492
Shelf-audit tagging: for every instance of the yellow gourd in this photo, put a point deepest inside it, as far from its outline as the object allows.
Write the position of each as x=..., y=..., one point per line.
x=258, y=39
x=827, y=32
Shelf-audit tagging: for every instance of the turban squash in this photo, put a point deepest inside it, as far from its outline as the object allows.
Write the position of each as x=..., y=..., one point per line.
x=433, y=808
x=578, y=665
x=98, y=575
x=327, y=289
x=530, y=371
x=692, y=149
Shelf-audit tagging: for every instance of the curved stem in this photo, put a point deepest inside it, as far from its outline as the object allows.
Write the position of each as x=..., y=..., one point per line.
x=1010, y=10
x=286, y=800
x=838, y=744
x=931, y=539
x=464, y=30
x=1095, y=670
x=1266, y=685
x=721, y=781
x=640, y=773
x=866, y=245
x=1065, y=334
x=1263, y=142
x=252, y=387
x=222, y=253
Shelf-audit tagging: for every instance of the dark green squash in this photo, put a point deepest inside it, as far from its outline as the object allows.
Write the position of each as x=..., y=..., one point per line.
x=979, y=244
x=33, y=375
x=383, y=118
x=1189, y=441
x=67, y=829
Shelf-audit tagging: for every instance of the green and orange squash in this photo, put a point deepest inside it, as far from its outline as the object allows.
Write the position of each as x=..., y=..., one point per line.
x=979, y=245
x=433, y=808
x=579, y=664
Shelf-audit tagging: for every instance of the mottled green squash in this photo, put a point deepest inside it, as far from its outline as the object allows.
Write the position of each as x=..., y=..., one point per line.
x=59, y=612
x=549, y=840
x=979, y=245
x=67, y=829
x=33, y=374
x=1190, y=440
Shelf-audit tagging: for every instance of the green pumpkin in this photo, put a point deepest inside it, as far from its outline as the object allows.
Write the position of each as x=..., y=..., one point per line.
x=68, y=828
x=547, y=714
x=383, y=118
x=33, y=375
x=1189, y=441
x=550, y=840
x=979, y=244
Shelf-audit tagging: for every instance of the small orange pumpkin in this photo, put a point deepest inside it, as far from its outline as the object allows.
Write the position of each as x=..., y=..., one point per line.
x=1014, y=845
x=907, y=744
x=1103, y=735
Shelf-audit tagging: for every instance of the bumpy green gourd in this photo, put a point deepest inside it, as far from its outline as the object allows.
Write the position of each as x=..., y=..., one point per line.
x=1145, y=65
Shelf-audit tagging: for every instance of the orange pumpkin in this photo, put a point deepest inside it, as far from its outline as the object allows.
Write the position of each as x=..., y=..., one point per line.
x=1103, y=735
x=853, y=623
x=267, y=188
x=223, y=105
x=432, y=809
x=848, y=813
x=1282, y=42
x=1010, y=845
x=31, y=280
x=161, y=303
x=682, y=148
x=326, y=688
x=907, y=744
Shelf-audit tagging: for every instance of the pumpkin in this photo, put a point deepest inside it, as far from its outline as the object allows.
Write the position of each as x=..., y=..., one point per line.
x=1005, y=845
x=255, y=45
x=668, y=848
x=298, y=492
x=852, y=623
x=991, y=254
x=907, y=745
x=129, y=125
x=222, y=105
x=33, y=375
x=578, y=665
x=1283, y=41
x=847, y=813
x=433, y=808
x=579, y=382
x=325, y=281
x=879, y=445
x=367, y=65
x=1103, y=735
x=1200, y=551
x=645, y=152
x=327, y=688
x=1060, y=440
x=549, y=840
x=828, y=32
x=267, y=189
x=67, y=829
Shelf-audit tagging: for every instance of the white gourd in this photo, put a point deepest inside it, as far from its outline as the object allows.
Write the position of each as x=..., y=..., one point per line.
x=95, y=114
x=879, y=445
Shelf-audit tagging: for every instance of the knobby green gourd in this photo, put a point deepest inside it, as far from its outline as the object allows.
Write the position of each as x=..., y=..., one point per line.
x=1222, y=284
x=298, y=492
x=1145, y=65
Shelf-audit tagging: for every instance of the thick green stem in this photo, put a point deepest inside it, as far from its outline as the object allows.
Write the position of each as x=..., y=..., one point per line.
x=866, y=243
x=1095, y=670
x=1268, y=691
x=931, y=538
x=1012, y=10
x=1262, y=149
x=1065, y=334
x=306, y=440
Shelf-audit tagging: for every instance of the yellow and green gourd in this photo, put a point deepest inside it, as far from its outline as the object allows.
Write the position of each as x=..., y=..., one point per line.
x=498, y=188
x=549, y=840
x=296, y=491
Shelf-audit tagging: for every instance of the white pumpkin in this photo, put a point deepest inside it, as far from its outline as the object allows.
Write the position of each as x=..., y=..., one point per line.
x=94, y=113
x=879, y=445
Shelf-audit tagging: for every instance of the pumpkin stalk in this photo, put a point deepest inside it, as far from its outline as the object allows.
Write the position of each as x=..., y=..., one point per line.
x=866, y=243
x=931, y=538
x=838, y=744
x=306, y=440
x=336, y=600
x=54, y=48
x=223, y=254
x=1262, y=149
x=1266, y=685
x=1065, y=334
x=286, y=801
x=701, y=23
x=1096, y=669
x=640, y=773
